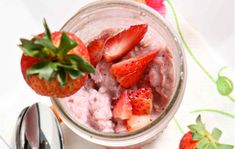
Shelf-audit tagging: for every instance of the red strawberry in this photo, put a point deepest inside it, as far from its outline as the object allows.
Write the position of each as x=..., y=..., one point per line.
x=55, y=64
x=96, y=49
x=199, y=138
x=141, y=101
x=123, y=42
x=187, y=142
x=137, y=122
x=130, y=71
x=123, y=108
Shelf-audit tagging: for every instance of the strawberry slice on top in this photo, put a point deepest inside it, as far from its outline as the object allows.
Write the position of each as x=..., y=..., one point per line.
x=96, y=48
x=120, y=44
x=138, y=121
x=123, y=109
x=130, y=71
x=141, y=101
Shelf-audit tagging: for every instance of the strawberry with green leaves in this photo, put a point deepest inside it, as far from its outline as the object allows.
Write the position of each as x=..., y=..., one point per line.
x=199, y=138
x=55, y=64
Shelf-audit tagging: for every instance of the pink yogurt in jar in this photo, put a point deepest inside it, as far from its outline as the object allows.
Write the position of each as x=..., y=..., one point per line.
x=89, y=112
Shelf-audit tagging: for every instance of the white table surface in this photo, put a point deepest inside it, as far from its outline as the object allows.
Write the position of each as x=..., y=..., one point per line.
x=21, y=18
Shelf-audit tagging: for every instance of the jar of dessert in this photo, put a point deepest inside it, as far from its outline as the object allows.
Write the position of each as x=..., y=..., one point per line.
x=131, y=98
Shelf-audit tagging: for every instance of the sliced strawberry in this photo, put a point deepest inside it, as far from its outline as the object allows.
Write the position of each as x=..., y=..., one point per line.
x=129, y=72
x=123, y=108
x=137, y=122
x=96, y=49
x=123, y=42
x=141, y=101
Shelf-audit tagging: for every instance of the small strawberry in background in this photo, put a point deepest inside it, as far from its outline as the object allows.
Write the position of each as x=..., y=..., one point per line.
x=199, y=138
x=55, y=64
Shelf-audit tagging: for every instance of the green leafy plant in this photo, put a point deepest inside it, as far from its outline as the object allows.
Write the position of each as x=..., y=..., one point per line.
x=54, y=61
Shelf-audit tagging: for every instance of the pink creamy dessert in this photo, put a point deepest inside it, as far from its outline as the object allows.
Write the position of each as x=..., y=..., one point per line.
x=100, y=104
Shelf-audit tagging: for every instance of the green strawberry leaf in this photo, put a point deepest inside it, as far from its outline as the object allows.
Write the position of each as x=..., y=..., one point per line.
x=47, y=32
x=224, y=146
x=211, y=146
x=206, y=140
x=198, y=129
x=66, y=44
x=29, y=44
x=75, y=74
x=43, y=69
x=199, y=120
x=68, y=67
x=202, y=144
x=216, y=134
x=86, y=67
x=197, y=136
x=61, y=76
x=46, y=43
x=82, y=64
x=55, y=66
x=31, y=49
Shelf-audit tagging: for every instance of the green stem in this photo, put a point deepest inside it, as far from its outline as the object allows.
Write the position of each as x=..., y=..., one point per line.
x=186, y=44
x=190, y=51
x=214, y=111
x=221, y=69
x=178, y=125
x=231, y=98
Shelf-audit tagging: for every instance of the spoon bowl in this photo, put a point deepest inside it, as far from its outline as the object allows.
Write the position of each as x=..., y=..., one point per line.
x=37, y=127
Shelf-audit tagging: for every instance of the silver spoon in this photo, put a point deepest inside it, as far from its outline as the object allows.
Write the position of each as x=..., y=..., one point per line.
x=37, y=128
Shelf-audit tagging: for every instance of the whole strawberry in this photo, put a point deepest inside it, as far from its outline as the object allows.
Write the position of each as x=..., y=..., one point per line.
x=199, y=138
x=55, y=64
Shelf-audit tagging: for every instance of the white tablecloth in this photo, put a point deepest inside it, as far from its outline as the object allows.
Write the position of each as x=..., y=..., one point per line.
x=20, y=18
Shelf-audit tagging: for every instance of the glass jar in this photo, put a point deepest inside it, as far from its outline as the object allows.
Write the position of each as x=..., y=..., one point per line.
x=102, y=15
